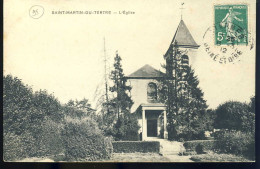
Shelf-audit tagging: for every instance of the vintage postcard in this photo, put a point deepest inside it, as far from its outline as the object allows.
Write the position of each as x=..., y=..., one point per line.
x=129, y=81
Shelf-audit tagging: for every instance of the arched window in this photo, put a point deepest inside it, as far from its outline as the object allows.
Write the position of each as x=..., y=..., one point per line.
x=151, y=92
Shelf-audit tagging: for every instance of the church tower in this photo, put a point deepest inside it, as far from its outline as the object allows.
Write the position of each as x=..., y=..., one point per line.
x=182, y=40
x=151, y=112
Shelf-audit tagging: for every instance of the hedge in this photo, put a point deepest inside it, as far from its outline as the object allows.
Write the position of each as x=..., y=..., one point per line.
x=17, y=147
x=83, y=141
x=136, y=146
x=198, y=145
x=237, y=142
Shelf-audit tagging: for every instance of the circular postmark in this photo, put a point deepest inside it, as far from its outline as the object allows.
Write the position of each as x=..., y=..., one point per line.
x=36, y=11
x=233, y=47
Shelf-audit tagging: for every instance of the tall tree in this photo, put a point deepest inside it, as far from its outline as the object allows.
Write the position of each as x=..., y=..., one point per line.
x=171, y=87
x=180, y=92
x=234, y=115
x=126, y=126
x=122, y=100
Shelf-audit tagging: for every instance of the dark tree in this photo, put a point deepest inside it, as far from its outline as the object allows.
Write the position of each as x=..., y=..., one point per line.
x=31, y=121
x=17, y=105
x=235, y=115
x=180, y=92
x=252, y=104
x=170, y=88
x=121, y=104
x=122, y=101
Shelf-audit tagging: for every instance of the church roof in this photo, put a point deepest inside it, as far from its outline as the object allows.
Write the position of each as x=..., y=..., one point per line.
x=145, y=72
x=183, y=37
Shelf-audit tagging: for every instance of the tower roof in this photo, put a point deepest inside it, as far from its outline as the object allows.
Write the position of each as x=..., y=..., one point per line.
x=183, y=37
x=145, y=72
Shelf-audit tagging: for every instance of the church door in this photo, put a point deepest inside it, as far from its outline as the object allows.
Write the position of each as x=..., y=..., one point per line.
x=152, y=128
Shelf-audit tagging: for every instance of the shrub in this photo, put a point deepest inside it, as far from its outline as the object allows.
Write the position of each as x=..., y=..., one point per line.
x=136, y=146
x=250, y=152
x=199, y=149
x=16, y=147
x=126, y=128
x=48, y=104
x=12, y=147
x=16, y=105
x=24, y=117
x=234, y=115
x=199, y=145
x=83, y=141
x=236, y=142
x=49, y=142
x=191, y=125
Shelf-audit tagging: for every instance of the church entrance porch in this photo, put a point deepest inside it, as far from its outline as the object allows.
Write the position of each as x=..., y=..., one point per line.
x=153, y=121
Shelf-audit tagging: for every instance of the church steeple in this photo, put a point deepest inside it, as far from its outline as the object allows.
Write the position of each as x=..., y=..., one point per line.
x=183, y=38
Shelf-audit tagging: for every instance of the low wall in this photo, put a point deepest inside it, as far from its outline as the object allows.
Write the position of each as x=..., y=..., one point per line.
x=206, y=144
x=136, y=146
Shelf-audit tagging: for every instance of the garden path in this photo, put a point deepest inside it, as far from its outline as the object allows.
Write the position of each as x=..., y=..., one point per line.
x=171, y=150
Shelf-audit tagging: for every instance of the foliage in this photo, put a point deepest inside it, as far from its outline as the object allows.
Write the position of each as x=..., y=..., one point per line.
x=17, y=101
x=83, y=141
x=252, y=104
x=79, y=109
x=122, y=101
x=24, y=118
x=116, y=119
x=236, y=142
x=191, y=126
x=235, y=116
x=199, y=149
x=216, y=157
x=237, y=121
x=136, y=146
x=126, y=128
x=186, y=109
x=50, y=141
x=35, y=125
x=48, y=104
x=206, y=145
x=18, y=146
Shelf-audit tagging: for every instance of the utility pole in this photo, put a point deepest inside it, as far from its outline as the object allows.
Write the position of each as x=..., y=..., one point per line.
x=117, y=93
x=106, y=83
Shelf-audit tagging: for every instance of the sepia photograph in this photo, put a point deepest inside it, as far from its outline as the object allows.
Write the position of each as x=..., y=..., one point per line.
x=129, y=81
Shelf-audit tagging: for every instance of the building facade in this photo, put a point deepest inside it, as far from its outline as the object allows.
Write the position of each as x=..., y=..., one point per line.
x=144, y=82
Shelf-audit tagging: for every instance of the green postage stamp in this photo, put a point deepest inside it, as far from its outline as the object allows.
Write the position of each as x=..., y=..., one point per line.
x=231, y=24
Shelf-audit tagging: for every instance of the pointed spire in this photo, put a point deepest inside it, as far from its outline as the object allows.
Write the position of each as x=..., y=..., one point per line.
x=183, y=38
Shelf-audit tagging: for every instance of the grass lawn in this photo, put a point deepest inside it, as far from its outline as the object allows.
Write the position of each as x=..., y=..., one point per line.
x=116, y=157
x=36, y=159
x=137, y=157
x=214, y=157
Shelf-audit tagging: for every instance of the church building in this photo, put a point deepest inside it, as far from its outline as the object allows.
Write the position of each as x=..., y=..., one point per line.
x=150, y=112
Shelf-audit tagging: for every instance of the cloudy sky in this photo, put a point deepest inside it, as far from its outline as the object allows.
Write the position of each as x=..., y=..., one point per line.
x=63, y=53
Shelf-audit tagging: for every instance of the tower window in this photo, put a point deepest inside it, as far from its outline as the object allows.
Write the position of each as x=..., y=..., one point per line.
x=185, y=60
